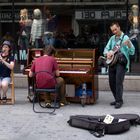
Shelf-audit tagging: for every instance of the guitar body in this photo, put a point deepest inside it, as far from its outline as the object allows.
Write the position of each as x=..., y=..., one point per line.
x=113, y=60
x=109, y=61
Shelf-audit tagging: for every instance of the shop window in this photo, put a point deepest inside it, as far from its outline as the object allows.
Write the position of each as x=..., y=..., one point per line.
x=1, y=1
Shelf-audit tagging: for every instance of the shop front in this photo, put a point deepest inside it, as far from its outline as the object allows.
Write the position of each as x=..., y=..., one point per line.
x=92, y=22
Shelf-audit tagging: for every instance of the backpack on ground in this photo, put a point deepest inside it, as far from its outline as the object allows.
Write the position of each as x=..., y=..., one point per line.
x=98, y=127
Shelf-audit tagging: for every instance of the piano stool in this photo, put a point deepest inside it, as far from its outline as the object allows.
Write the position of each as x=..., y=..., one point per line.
x=42, y=91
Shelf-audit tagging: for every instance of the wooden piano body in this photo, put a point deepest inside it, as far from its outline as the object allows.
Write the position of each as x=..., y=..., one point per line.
x=77, y=66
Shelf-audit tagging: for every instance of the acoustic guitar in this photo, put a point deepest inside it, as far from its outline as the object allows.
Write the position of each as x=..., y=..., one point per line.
x=114, y=57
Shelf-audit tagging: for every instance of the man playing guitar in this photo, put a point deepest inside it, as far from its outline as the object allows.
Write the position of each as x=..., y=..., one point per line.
x=121, y=65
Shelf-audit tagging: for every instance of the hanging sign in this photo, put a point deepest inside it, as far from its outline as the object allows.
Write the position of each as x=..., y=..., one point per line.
x=105, y=14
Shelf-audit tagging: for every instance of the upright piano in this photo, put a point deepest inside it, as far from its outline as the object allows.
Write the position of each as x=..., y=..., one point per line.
x=77, y=66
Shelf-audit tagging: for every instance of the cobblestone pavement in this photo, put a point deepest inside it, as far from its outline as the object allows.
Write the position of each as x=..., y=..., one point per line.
x=19, y=122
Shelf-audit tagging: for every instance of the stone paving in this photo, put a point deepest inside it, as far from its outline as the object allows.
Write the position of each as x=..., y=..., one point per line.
x=19, y=122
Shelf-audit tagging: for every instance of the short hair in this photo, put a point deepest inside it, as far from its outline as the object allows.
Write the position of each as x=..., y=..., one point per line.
x=49, y=50
x=37, y=13
x=114, y=23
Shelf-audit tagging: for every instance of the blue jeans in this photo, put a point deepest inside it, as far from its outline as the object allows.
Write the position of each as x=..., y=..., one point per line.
x=48, y=40
x=6, y=79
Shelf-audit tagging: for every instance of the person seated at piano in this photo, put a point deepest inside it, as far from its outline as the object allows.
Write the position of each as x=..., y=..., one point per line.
x=6, y=65
x=39, y=64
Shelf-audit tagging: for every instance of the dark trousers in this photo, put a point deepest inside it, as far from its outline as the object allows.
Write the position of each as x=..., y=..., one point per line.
x=116, y=78
x=38, y=43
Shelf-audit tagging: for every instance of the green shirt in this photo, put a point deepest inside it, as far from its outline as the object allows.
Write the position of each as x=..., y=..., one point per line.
x=124, y=49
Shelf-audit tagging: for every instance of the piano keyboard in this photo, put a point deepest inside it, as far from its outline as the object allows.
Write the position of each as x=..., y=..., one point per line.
x=74, y=72
x=67, y=71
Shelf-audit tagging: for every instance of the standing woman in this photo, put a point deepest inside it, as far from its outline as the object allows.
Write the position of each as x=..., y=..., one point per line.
x=6, y=65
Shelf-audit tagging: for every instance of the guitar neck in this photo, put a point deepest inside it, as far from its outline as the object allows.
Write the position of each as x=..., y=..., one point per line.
x=116, y=48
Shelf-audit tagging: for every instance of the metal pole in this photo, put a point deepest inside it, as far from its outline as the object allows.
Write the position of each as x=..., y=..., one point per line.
x=13, y=26
x=139, y=6
x=13, y=18
x=127, y=5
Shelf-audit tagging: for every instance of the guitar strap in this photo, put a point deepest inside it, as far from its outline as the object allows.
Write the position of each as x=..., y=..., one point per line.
x=122, y=39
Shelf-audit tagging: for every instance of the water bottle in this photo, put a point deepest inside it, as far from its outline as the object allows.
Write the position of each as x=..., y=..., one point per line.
x=30, y=89
x=84, y=94
x=84, y=88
